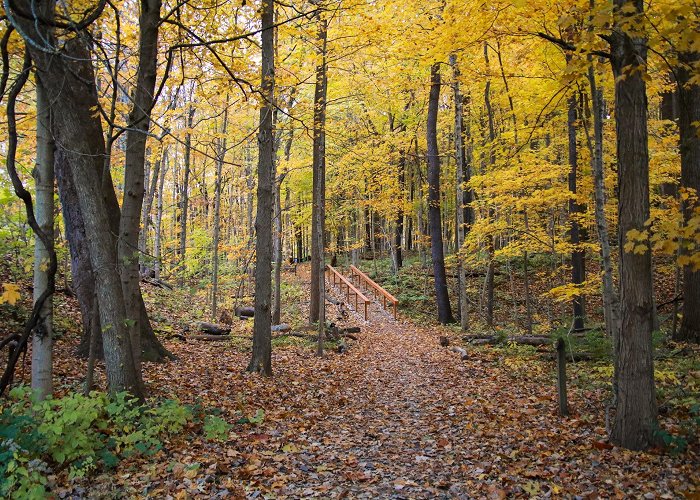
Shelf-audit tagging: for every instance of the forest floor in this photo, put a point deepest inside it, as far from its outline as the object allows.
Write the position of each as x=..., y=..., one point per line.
x=396, y=416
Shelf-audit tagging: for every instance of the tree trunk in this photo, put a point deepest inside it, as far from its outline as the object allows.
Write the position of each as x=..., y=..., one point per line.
x=441, y=294
x=70, y=84
x=689, y=117
x=135, y=156
x=611, y=302
x=459, y=209
x=577, y=255
x=185, y=198
x=319, y=182
x=636, y=416
x=157, y=244
x=42, y=336
x=220, y=155
x=261, y=358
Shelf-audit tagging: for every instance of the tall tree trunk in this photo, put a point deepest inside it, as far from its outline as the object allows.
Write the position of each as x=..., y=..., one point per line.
x=261, y=358
x=135, y=155
x=491, y=271
x=184, y=197
x=220, y=155
x=578, y=275
x=157, y=244
x=459, y=209
x=42, y=337
x=441, y=294
x=689, y=117
x=319, y=181
x=611, y=301
x=148, y=206
x=636, y=416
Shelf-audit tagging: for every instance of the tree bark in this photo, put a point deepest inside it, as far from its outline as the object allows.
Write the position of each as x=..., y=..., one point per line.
x=319, y=182
x=578, y=275
x=261, y=358
x=220, y=154
x=461, y=222
x=135, y=156
x=437, y=253
x=184, y=197
x=689, y=117
x=42, y=336
x=636, y=415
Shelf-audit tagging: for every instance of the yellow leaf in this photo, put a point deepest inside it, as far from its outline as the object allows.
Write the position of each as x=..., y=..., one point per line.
x=10, y=294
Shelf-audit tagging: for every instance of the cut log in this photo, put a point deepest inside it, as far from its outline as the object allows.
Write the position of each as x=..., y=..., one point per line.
x=213, y=329
x=283, y=327
x=244, y=312
x=462, y=353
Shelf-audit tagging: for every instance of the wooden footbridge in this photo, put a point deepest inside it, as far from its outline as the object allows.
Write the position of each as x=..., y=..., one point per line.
x=357, y=286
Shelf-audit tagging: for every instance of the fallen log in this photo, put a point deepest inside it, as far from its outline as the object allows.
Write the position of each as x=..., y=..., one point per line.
x=212, y=329
x=158, y=283
x=211, y=338
x=282, y=327
x=244, y=312
x=534, y=340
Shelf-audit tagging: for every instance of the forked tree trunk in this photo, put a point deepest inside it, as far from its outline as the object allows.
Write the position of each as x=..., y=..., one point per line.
x=636, y=415
x=69, y=84
x=437, y=253
x=261, y=357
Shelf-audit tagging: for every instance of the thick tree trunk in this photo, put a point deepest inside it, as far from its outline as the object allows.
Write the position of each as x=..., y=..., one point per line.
x=441, y=294
x=689, y=117
x=42, y=336
x=261, y=358
x=636, y=416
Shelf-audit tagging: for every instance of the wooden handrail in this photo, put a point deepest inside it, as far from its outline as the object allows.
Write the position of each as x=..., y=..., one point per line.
x=339, y=278
x=376, y=288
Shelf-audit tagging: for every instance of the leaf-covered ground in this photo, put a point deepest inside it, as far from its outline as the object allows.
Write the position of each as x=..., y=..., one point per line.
x=396, y=416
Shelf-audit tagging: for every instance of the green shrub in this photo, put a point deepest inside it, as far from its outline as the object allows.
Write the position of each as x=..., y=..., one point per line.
x=82, y=434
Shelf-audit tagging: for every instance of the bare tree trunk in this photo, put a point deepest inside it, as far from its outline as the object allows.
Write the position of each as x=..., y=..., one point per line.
x=42, y=337
x=220, y=155
x=319, y=182
x=185, y=197
x=459, y=209
x=157, y=244
x=261, y=358
x=138, y=125
x=611, y=302
x=441, y=293
x=689, y=117
x=578, y=270
x=492, y=160
x=636, y=415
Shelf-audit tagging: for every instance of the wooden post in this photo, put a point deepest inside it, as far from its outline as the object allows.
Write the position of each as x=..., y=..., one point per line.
x=561, y=378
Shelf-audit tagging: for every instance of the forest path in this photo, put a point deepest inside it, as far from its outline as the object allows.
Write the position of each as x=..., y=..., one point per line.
x=397, y=416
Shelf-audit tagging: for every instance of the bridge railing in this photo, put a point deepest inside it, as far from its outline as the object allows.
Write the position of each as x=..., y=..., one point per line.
x=337, y=278
x=379, y=292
